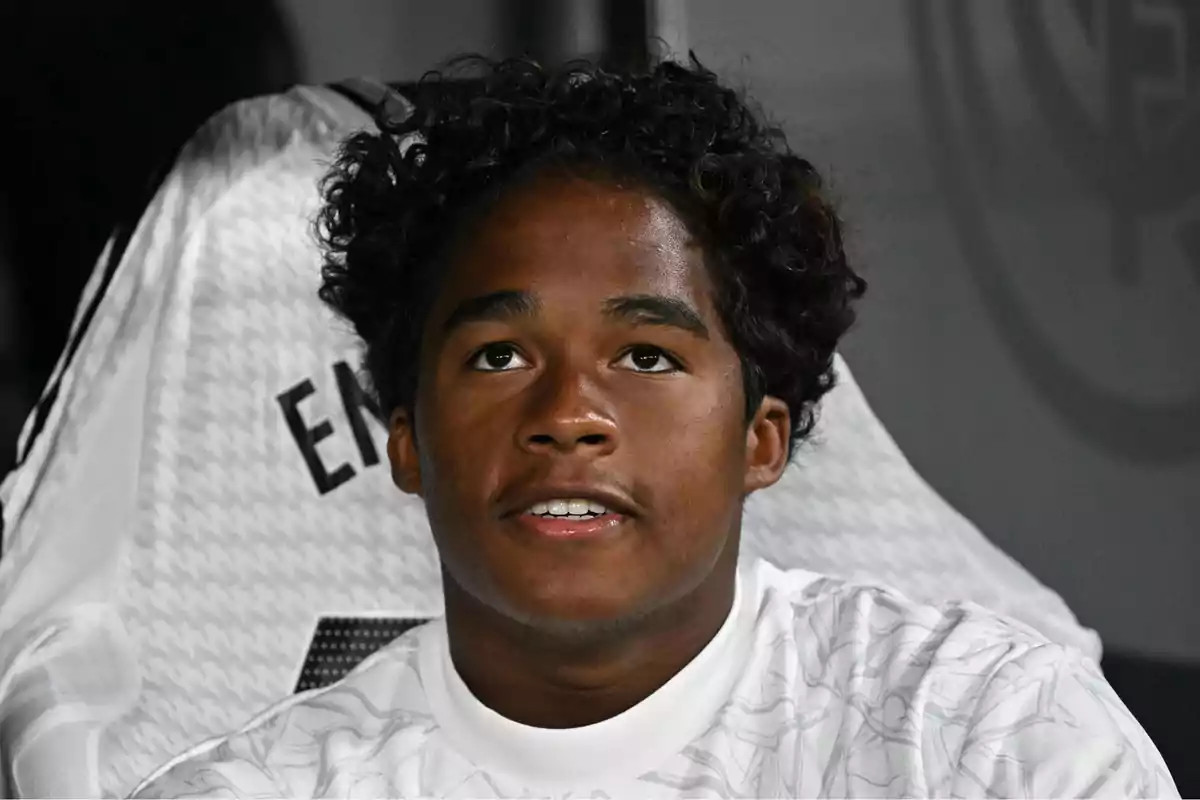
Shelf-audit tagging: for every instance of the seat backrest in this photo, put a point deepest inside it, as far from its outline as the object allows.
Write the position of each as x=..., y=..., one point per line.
x=207, y=485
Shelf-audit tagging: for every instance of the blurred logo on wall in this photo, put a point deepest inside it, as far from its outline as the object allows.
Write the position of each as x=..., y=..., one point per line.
x=1066, y=141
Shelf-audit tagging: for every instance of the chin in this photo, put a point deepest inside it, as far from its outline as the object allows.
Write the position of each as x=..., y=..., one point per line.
x=576, y=617
x=583, y=630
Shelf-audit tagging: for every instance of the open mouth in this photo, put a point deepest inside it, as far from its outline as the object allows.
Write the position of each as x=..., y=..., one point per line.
x=570, y=518
x=568, y=509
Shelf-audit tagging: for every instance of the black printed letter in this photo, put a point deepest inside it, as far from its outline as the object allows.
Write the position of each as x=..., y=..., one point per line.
x=308, y=438
x=354, y=399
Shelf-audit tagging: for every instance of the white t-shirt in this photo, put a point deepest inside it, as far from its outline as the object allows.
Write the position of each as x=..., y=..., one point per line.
x=812, y=687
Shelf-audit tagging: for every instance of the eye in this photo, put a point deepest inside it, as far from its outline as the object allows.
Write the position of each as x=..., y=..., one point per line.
x=647, y=358
x=497, y=357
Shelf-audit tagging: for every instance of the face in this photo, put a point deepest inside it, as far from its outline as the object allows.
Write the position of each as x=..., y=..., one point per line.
x=580, y=438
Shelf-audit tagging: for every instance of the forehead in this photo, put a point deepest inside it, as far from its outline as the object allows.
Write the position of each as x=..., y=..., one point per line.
x=568, y=235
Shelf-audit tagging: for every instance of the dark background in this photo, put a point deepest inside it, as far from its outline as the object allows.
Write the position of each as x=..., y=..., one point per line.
x=1021, y=179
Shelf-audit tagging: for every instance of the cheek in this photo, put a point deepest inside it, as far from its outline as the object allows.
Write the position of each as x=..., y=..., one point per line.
x=693, y=447
x=702, y=416
x=454, y=463
x=697, y=446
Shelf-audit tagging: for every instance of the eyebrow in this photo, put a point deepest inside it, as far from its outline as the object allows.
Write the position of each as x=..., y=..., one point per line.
x=641, y=309
x=656, y=309
x=493, y=307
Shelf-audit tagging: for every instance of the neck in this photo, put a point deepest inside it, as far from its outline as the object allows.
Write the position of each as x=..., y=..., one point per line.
x=545, y=680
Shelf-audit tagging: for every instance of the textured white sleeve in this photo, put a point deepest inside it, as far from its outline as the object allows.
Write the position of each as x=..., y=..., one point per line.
x=244, y=763
x=66, y=661
x=67, y=666
x=1049, y=725
x=235, y=767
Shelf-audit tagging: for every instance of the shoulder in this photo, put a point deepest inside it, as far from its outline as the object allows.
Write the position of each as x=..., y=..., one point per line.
x=885, y=625
x=992, y=706
x=1048, y=724
x=279, y=752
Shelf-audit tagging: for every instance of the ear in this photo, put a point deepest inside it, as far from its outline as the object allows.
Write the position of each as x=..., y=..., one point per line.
x=402, y=453
x=767, y=439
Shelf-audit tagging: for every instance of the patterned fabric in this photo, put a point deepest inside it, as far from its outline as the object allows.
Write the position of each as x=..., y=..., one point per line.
x=342, y=643
x=835, y=690
x=207, y=483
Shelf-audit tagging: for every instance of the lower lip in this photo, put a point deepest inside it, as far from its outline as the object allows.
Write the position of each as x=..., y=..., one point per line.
x=570, y=528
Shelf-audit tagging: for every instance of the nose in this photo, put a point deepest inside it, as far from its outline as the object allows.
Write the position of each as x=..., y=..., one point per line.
x=567, y=415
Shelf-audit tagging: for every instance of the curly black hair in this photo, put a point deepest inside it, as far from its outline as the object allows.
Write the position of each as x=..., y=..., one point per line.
x=395, y=200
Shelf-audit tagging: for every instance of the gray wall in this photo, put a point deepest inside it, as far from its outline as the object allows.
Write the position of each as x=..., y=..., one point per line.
x=1024, y=201
x=389, y=39
x=1032, y=331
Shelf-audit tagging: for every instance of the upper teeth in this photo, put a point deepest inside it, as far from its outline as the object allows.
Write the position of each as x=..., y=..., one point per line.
x=568, y=507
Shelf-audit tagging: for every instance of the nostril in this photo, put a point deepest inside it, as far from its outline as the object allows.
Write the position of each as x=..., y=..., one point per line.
x=544, y=441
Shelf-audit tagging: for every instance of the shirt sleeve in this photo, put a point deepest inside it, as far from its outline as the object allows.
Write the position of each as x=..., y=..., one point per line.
x=1048, y=724
x=238, y=766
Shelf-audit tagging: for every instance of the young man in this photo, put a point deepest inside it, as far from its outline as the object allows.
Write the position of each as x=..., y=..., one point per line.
x=599, y=311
